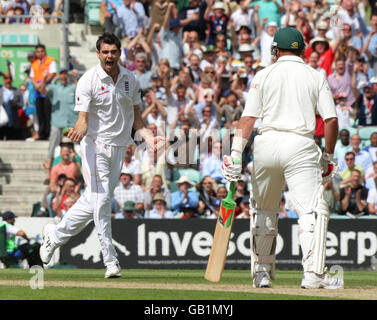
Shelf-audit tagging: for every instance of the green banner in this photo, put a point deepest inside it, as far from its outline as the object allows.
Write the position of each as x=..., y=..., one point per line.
x=19, y=62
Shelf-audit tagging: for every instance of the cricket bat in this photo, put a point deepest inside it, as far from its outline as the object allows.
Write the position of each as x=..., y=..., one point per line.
x=217, y=257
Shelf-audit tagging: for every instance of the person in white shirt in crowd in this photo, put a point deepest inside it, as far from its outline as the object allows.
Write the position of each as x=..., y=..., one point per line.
x=267, y=33
x=131, y=164
x=129, y=191
x=343, y=111
x=159, y=210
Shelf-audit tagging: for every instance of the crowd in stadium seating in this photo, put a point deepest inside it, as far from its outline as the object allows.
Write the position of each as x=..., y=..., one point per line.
x=195, y=60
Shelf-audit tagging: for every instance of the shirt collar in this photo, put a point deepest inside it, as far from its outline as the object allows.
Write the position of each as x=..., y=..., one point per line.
x=290, y=58
x=102, y=74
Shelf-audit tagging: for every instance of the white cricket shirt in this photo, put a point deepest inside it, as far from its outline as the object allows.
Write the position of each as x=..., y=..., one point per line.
x=110, y=106
x=286, y=95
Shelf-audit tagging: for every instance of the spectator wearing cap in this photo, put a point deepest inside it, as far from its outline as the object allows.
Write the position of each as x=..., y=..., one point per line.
x=322, y=29
x=326, y=52
x=126, y=190
x=132, y=165
x=183, y=197
x=129, y=211
x=192, y=17
x=373, y=81
x=12, y=101
x=15, y=252
x=343, y=111
x=155, y=188
x=217, y=19
x=209, y=57
x=43, y=71
x=244, y=208
x=130, y=16
x=341, y=79
x=62, y=97
x=142, y=74
x=216, y=204
x=159, y=210
x=158, y=88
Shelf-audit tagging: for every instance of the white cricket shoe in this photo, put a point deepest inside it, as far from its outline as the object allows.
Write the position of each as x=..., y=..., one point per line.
x=311, y=280
x=47, y=248
x=262, y=280
x=113, y=271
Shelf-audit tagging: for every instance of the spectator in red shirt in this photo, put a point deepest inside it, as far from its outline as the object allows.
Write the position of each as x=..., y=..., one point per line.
x=71, y=169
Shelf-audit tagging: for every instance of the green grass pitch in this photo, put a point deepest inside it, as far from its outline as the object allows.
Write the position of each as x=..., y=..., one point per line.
x=83, y=284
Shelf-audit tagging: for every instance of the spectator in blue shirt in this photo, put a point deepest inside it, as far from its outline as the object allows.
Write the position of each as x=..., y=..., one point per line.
x=108, y=11
x=130, y=16
x=184, y=197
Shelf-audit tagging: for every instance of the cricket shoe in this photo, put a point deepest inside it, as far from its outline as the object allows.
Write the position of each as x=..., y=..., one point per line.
x=113, y=271
x=262, y=280
x=47, y=248
x=311, y=280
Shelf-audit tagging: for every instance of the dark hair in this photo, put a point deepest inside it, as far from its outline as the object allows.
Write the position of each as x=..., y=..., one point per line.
x=349, y=153
x=70, y=179
x=180, y=86
x=108, y=38
x=296, y=52
x=62, y=176
x=40, y=46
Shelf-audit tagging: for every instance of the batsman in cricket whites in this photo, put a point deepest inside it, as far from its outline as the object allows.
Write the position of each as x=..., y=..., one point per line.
x=286, y=96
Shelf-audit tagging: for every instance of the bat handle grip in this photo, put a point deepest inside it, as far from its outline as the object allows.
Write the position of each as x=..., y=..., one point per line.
x=232, y=189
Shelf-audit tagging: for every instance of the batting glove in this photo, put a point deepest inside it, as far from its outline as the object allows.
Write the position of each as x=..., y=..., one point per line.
x=231, y=168
x=329, y=167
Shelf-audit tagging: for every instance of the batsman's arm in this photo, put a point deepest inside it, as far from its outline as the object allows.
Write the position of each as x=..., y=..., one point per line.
x=241, y=136
x=331, y=134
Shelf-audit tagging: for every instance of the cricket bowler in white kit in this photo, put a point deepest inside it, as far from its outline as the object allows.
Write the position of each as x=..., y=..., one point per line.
x=286, y=96
x=107, y=98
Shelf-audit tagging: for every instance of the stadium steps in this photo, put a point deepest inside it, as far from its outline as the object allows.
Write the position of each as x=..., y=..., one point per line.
x=21, y=175
x=82, y=47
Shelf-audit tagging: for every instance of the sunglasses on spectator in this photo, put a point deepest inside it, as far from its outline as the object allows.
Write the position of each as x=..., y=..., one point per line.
x=140, y=61
x=350, y=159
x=213, y=72
x=206, y=111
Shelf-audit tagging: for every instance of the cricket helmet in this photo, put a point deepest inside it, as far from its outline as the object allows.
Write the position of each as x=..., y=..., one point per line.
x=287, y=38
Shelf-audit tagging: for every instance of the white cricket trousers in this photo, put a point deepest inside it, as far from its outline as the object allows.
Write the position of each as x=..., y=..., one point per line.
x=102, y=166
x=281, y=157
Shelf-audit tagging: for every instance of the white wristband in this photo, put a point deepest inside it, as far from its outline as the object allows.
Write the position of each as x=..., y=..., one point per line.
x=238, y=146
